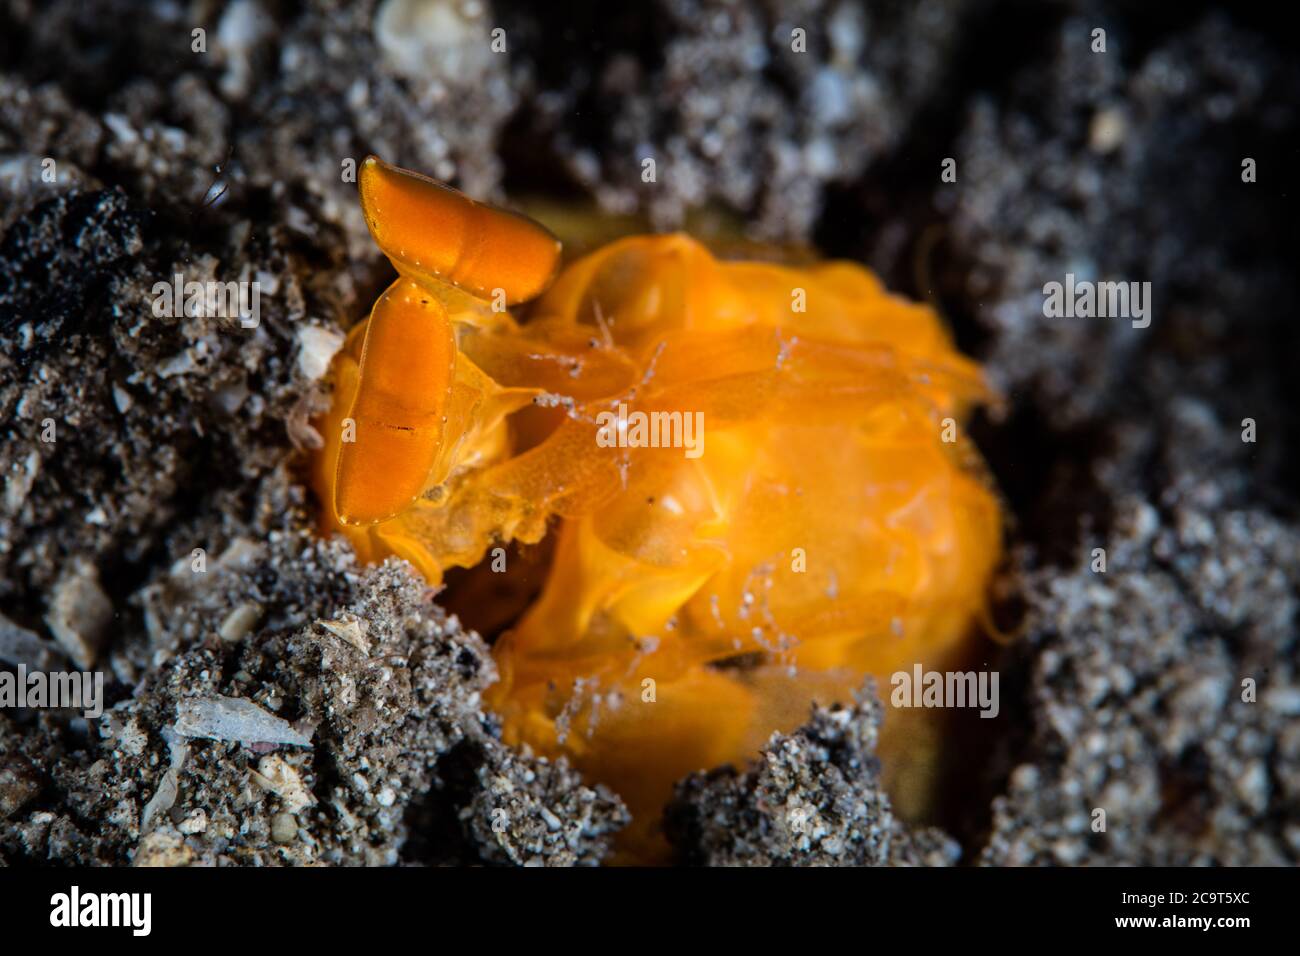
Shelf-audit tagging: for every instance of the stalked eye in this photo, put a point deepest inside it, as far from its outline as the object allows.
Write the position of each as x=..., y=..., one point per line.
x=435, y=234
x=396, y=417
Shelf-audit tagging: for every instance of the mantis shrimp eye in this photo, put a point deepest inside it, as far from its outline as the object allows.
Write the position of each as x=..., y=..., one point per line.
x=434, y=234
x=397, y=429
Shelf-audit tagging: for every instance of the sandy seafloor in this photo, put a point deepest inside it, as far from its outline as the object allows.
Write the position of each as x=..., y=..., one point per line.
x=1123, y=690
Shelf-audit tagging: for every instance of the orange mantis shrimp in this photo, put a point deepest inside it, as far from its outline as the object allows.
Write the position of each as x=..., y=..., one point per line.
x=754, y=472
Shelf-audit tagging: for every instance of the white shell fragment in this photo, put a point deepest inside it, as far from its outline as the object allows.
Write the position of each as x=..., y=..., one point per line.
x=236, y=719
x=277, y=775
x=317, y=347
